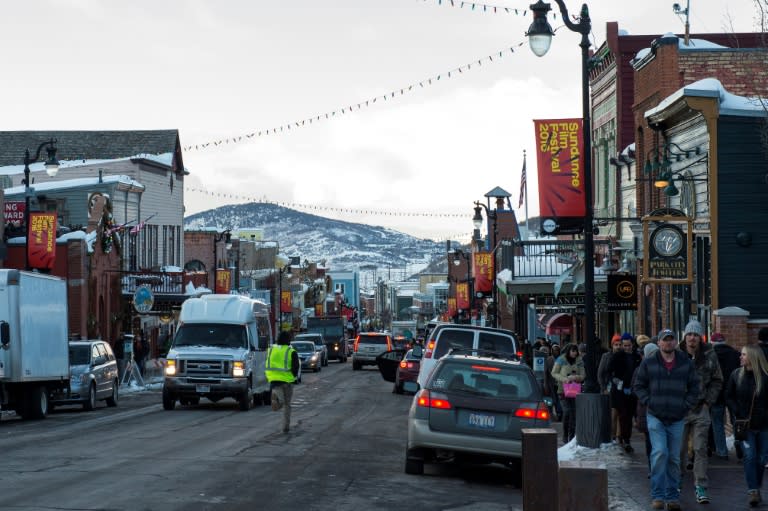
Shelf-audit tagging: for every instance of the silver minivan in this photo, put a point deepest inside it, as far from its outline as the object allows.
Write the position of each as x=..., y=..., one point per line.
x=448, y=336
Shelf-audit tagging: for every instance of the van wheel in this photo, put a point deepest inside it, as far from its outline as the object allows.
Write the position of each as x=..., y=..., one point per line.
x=169, y=402
x=355, y=365
x=112, y=400
x=245, y=401
x=36, y=403
x=90, y=403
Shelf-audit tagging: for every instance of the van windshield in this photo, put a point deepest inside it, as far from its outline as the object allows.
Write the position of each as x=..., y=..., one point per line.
x=211, y=334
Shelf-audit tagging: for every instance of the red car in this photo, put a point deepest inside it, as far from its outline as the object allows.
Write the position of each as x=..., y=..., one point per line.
x=408, y=369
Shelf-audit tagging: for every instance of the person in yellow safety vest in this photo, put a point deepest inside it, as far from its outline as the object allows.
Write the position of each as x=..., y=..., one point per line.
x=282, y=369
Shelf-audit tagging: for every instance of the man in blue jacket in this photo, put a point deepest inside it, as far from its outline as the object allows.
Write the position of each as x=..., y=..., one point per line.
x=668, y=385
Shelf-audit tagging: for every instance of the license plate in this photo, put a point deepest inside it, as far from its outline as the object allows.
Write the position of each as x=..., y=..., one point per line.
x=481, y=421
x=202, y=389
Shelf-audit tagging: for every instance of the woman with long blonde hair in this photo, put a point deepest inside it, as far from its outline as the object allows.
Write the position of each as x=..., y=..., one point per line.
x=746, y=395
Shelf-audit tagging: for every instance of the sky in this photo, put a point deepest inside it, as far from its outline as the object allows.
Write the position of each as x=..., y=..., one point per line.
x=233, y=76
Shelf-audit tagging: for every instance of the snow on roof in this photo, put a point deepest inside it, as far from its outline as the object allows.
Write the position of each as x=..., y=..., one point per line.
x=730, y=104
x=693, y=45
x=74, y=183
x=164, y=159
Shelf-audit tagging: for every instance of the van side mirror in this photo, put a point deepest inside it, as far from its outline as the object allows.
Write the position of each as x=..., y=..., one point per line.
x=5, y=334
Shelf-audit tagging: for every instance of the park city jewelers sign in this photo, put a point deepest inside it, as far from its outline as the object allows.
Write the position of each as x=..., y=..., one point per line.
x=668, y=252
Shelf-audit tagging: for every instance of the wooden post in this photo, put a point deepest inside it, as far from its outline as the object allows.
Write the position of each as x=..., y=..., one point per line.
x=593, y=420
x=539, y=469
x=583, y=486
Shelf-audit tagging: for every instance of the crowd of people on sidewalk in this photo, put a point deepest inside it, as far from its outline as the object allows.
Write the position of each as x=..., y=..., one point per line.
x=681, y=395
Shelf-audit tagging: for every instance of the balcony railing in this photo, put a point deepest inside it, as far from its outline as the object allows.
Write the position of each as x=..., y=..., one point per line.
x=546, y=258
x=172, y=283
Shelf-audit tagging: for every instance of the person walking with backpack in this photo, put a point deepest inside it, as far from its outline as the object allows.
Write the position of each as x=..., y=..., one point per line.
x=746, y=396
x=729, y=359
x=667, y=384
x=697, y=420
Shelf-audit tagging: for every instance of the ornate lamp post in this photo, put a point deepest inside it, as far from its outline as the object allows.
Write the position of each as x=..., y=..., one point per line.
x=460, y=254
x=51, y=168
x=540, y=37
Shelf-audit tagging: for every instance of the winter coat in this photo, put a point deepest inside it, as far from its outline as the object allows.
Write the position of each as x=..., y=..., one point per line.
x=669, y=395
x=563, y=369
x=603, y=378
x=738, y=398
x=621, y=368
x=641, y=410
x=728, y=357
x=710, y=375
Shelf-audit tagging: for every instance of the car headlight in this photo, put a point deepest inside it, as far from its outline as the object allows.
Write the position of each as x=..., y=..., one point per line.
x=238, y=369
x=170, y=367
x=314, y=357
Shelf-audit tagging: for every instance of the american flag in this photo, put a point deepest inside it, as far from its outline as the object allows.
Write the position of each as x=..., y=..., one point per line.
x=522, y=184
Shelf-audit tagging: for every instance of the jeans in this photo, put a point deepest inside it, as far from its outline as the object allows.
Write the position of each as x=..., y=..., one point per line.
x=569, y=418
x=755, y=455
x=718, y=429
x=666, y=440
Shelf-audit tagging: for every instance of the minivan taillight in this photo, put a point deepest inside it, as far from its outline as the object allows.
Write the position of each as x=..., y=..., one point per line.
x=430, y=349
x=357, y=341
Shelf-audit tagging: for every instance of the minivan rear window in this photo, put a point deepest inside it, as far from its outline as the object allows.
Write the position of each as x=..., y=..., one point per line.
x=495, y=342
x=451, y=339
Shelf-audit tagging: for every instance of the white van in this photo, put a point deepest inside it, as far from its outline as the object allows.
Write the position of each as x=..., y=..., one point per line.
x=448, y=336
x=219, y=351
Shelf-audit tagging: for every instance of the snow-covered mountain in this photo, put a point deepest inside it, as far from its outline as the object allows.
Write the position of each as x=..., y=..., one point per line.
x=343, y=245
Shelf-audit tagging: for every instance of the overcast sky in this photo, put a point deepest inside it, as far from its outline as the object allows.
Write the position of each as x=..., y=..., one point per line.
x=227, y=70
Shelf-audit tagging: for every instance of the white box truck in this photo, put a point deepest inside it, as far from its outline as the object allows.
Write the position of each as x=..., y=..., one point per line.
x=34, y=345
x=219, y=351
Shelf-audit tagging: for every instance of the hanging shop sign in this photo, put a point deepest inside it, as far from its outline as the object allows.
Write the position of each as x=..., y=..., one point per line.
x=668, y=250
x=622, y=292
x=143, y=299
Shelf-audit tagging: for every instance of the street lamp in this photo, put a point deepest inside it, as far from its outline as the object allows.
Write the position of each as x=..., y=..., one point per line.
x=225, y=236
x=283, y=266
x=540, y=37
x=477, y=220
x=51, y=168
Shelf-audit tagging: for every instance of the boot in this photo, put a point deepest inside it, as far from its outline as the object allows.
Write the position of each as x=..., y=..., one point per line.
x=754, y=498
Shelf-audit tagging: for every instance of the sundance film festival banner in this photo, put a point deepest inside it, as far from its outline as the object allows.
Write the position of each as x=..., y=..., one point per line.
x=462, y=295
x=483, y=272
x=223, y=282
x=41, y=248
x=560, y=161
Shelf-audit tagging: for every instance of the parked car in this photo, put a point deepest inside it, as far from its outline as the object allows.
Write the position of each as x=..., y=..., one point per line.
x=368, y=346
x=401, y=368
x=473, y=407
x=319, y=342
x=447, y=336
x=93, y=375
x=309, y=356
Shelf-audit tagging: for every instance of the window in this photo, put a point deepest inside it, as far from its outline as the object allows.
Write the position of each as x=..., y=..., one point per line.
x=449, y=339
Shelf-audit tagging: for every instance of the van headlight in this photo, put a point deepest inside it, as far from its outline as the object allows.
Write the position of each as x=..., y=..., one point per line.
x=238, y=369
x=170, y=367
x=314, y=357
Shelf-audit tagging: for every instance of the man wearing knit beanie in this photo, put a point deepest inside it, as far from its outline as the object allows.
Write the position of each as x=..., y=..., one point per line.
x=698, y=419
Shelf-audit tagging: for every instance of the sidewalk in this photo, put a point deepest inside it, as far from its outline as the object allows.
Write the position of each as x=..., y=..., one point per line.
x=629, y=486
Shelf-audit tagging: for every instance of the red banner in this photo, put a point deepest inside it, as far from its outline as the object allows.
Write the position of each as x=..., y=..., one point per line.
x=452, y=310
x=318, y=310
x=14, y=212
x=560, y=158
x=41, y=244
x=285, y=301
x=223, y=282
x=482, y=266
x=462, y=295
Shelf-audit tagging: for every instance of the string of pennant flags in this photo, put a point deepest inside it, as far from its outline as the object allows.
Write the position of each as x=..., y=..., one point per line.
x=314, y=207
x=388, y=97
x=481, y=7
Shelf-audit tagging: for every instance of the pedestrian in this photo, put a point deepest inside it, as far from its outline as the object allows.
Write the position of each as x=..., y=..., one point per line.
x=746, y=395
x=568, y=368
x=641, y=410
x=762, y=339
x=641, y=341
x=698, y=419
x=282, y=369
x=140, y=351
x=604, y=379
x=668, y=385
x=549, y=365
x=729, y=360
x=621, y=369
